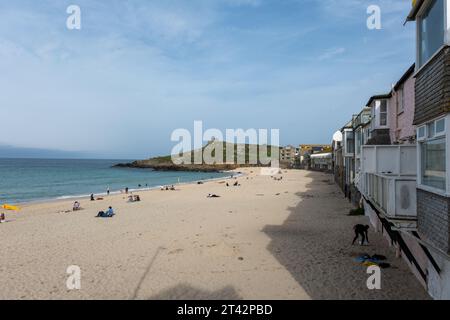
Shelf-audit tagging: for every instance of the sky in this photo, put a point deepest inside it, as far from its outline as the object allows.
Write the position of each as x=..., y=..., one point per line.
x=138, y=70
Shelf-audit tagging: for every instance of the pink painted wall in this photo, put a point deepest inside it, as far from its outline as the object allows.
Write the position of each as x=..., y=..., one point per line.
x=401, y=125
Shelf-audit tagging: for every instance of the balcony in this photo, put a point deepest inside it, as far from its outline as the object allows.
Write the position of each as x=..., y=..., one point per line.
x=394, y=197
x=388, y=181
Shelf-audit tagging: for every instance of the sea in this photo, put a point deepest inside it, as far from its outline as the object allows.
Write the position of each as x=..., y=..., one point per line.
x=35, y=180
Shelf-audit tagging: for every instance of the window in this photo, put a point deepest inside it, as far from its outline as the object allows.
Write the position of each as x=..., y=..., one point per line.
x=350, y=145
x=440, y=127
x=383, y=113
x=433, y=163
x=421, y=133
x=358, y=141
x=431, y=28
x=433, y=154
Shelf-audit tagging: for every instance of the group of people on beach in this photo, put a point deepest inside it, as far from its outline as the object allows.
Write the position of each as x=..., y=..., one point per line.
x=134, y=198
x=167, y=188
x=235, y=184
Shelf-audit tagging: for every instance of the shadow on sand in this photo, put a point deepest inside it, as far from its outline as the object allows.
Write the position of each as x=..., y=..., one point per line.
x=314, y=245
x=187, y=292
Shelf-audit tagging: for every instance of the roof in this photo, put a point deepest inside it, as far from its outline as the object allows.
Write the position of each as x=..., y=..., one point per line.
x=349, y=125
x=379, y=97
x=417, y=4
x=405, y=77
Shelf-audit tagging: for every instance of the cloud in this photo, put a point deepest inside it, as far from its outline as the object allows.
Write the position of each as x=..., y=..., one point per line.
x=331, y=53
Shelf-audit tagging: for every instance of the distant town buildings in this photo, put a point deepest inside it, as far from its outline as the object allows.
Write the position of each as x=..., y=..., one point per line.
x=300, y=156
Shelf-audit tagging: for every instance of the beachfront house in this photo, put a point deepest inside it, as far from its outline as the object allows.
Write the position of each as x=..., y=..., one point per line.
x=401, y=111
x=432, y=119
x=338, y=159
x=379, y=124
x=361, y=129
x=321, y=161
x=343, y=152
x=306, y=150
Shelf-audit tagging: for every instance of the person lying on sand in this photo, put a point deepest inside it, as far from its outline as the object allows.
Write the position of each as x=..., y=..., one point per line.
x=213, y=196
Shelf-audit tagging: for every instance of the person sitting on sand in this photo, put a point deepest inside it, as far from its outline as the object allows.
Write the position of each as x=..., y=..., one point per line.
x=76, y=206
x=108, y=214
x=137, y=198
x=172, y=188
x=2, y=218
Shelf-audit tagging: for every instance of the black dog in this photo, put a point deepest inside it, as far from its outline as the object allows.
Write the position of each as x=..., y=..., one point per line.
x=361, y=230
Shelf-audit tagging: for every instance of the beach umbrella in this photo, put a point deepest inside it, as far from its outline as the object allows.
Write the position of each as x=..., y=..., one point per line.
x=10, y=207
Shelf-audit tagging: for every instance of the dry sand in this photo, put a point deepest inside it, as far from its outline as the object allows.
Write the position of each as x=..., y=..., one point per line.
x=267, y=239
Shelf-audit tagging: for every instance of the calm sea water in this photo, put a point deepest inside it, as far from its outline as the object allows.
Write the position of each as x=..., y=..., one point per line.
x=24, y=180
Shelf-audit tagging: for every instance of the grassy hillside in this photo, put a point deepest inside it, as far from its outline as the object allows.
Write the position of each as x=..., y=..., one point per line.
x=240, y=152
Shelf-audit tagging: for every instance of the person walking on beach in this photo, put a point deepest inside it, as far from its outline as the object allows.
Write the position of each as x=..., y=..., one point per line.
x=126, y=190
x=107, y=191
x=92, y=197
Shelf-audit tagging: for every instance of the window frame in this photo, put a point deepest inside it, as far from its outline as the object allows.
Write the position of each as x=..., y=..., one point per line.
x=385, y=112
x=445, y=134
x=424, y=10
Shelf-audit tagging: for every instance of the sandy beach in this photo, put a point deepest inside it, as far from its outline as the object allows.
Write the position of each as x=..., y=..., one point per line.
x=266, y=239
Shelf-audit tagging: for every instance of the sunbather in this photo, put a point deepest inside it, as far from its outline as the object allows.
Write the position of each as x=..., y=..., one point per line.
x=213, y=196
